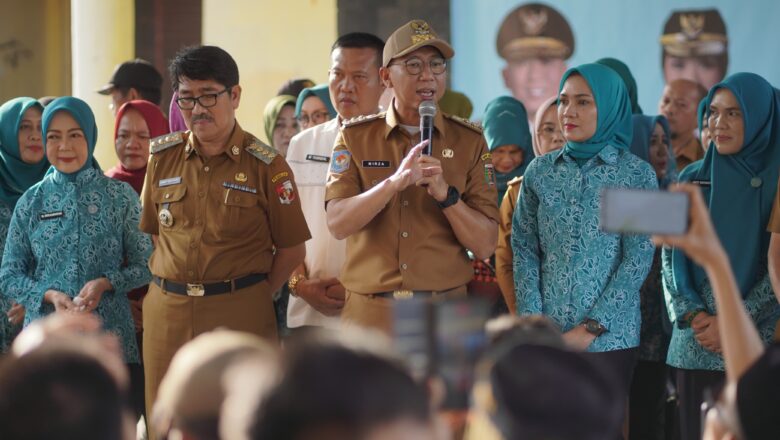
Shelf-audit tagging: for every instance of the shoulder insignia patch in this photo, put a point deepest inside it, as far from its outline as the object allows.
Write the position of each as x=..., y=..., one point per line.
x=466, y=123
x=361, y=119
x=260, y=150
x=515, y=181
x=166, y=141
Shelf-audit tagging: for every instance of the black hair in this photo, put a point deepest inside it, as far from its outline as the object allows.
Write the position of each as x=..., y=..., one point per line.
x=360, y=40
x=347, y=394
x=59, y=395
x=203, y=63
x=152, y=95
x=295, y=86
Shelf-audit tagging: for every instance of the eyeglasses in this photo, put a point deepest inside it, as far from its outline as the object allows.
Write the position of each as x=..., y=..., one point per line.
x=415, y=66
x=206, y=100
x=317, y=118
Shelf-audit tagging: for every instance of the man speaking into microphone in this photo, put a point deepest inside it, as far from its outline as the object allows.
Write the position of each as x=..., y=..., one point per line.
x=409, y=217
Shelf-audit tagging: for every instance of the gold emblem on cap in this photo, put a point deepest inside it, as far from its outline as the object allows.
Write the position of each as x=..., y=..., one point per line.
x=532, y=21
x=234, y=149
x=166, y=218
x=240, y=177
x=447, y=153
x=692, y=25
x=422, y=32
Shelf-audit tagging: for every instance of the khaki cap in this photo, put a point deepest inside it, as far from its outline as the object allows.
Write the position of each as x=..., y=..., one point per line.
x=534, y=30
x=695, y=33
x=412, y=36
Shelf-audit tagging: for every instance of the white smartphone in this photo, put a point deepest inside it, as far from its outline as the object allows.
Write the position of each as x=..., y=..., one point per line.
x=648, y=212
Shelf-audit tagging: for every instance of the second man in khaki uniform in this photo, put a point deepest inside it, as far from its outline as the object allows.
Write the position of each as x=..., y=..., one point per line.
x=409, y=218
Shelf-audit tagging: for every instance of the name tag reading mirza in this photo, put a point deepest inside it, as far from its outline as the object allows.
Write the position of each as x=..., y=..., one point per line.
x=51, y=215
x=376, y=164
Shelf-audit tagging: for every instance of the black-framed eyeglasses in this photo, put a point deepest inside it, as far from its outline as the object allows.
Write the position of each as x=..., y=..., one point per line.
x=205, y=100
x=415, y=66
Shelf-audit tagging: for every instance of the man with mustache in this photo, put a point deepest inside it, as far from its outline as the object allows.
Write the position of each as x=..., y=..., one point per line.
x=224, y=209
x=409, y=218
x=355, y=87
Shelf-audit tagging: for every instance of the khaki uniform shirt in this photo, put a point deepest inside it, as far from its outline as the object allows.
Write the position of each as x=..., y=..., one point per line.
x=229, y=211
x=410, y=243
x=504, y=266
x=689, y=154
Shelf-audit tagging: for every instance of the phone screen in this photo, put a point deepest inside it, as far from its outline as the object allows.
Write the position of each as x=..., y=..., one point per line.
x=636, y=211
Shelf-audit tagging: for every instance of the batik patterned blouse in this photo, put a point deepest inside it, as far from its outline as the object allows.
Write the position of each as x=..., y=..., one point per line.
x=71, y=229
x=565, y=267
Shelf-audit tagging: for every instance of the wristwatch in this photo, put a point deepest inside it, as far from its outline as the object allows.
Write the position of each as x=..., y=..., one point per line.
x=594, y=327
x=452, y=198
x=292, y=284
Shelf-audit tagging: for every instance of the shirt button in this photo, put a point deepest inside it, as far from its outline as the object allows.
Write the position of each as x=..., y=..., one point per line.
x=404, y=234
x=406, y=203
x=198, y=222
x=190, y=273
x=756, y=182
x=167, y=195
x=202, y=194
x=206, y=169
x=193, y=245
x=404, y=266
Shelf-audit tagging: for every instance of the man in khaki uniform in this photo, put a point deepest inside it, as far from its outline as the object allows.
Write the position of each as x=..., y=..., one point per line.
x=224, y=209
x=409, y=218
x=679, y=104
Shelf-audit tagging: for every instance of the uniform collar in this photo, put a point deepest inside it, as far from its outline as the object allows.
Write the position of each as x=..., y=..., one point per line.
x=608, y=155
x=391, y=120
x=691, y=150
x=234, y=144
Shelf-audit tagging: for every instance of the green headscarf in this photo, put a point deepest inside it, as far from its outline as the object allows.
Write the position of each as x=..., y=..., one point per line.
x=701, y=113
x=16, y=176
x=320, y=91
x=613, y=124
x=84, y=117
x=628, y=79
x=271, y=114
x=506, y=123
x=456, y=103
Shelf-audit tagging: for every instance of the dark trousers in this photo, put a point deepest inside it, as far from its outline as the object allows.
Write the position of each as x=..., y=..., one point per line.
x=620, y=365
x=690, y=391
x=647, y=402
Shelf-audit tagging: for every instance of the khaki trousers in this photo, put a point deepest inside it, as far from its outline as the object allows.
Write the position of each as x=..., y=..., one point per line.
x=172, y=320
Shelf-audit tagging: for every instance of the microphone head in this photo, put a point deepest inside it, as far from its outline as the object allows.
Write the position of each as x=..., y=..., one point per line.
x=427, y=108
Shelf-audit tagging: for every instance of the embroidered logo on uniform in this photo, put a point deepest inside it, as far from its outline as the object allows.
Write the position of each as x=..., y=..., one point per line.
x=486, y=156
x=240, y=177
x=340, y=161
x=51, y=215
x=286, y=192
x=376, y=164
x=237, y=187
x=490, y=174
x=279, y=176
x=317, y=158
x=169, y=181
x=447, y=153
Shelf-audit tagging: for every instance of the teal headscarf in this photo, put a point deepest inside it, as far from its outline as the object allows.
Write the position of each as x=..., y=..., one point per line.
x=320, y=91
x=16, y=176
x=628, y=79
x=703, y=112
x=83, y=116
x=613, y=125
x=506, y=123
x=743, y=185
x=640, y=146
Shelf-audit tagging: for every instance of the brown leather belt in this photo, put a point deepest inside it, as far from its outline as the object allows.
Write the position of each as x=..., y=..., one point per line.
x=218, y=288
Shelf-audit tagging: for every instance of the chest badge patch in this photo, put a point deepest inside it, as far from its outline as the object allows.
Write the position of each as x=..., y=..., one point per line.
x=340, y=161
x=286, y=192
x=165, y=216
x=447, y=153
x=490, y=174
x=241, y=177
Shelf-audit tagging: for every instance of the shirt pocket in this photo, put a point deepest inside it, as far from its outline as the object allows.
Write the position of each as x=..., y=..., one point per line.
x=170, y=207
x=241, y=211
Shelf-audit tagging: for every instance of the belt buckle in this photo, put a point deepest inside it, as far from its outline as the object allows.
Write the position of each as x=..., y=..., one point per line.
x=195, y=289
x=402, y=294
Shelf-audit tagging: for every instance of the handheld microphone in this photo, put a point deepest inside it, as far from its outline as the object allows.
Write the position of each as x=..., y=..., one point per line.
x=427, y=111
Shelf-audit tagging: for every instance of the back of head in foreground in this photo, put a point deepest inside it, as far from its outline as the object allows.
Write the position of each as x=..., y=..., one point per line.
x=332, y=390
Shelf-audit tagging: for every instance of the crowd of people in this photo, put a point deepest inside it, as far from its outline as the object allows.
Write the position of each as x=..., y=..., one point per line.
x=213, y=285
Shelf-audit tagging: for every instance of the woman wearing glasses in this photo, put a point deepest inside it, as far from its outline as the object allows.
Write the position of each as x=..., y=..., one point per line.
x=314, y=107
